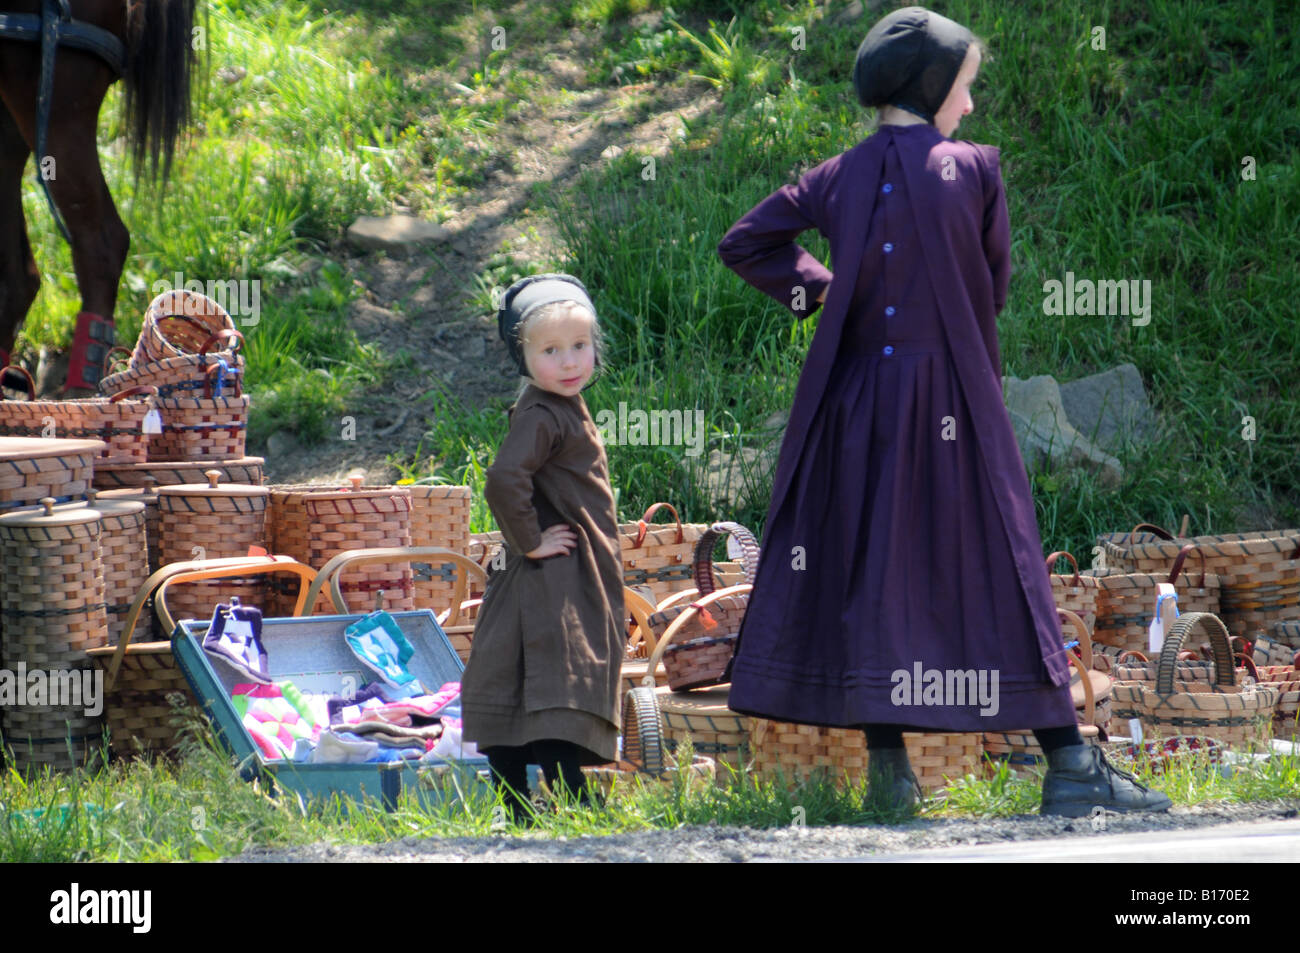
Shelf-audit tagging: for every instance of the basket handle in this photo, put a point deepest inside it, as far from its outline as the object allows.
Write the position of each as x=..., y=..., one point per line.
x=189, y=572
x=1089, y=696
x=147, y=389
x=210, y=374
x=1250, y=665
x=109, y=362
x=643, y=523
x=1177, y=567
x=31, y=384
x=329, y=573
x=1131, y=654
x=641, y=611
x=1206, y=623
x=679, y=623
x=1150, y=528
x=1062, y=554
x=704, y=554
x=1085, y=637
x=221, y=335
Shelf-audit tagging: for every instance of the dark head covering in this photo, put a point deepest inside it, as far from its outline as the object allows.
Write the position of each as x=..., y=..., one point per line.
x=910, y=60
x=527, y=295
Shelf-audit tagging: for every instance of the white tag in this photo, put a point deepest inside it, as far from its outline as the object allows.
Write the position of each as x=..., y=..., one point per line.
x=734, y=549
x=152, y=422
x=1163, y=620
x=1135, y=730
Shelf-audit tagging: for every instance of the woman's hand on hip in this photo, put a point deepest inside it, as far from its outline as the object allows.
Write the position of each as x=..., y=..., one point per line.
x=557, y=540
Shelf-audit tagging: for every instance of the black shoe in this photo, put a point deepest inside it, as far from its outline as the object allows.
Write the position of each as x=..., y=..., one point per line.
x=1079, y=779
x=891, y=785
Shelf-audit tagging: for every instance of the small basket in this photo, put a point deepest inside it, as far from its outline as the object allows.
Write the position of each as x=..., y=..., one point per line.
x=118, y=420
x=181, y=376
x=248, y=470
x=176, y=324
x=32, y=469
x=211, y=427
x=1239, y=716
x=707, y=637
x=659, y=557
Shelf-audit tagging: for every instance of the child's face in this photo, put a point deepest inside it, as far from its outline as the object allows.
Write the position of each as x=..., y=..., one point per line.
x=560, y=354
x=959, y=103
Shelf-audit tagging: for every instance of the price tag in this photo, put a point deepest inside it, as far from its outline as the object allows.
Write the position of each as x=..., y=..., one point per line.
x=734, y=549
x=152, y=422
x=1163, y=620
x=1135, y=730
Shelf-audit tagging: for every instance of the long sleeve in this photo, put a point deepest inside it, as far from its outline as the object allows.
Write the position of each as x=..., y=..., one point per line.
x=535, y=435
x=997, y=231
x=760, y=247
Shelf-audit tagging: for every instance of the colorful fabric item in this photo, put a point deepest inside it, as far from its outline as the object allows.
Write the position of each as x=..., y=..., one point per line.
x=276, y=716
x=235, y=637
x=378, y=642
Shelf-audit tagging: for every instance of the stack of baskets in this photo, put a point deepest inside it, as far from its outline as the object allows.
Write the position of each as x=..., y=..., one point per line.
x=188, y=351
x=1258, y=573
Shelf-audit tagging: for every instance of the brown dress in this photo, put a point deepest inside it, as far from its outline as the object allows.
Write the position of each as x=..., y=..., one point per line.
x=549, y=641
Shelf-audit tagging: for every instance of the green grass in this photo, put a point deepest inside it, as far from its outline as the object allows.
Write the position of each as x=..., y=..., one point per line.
x=195, y=808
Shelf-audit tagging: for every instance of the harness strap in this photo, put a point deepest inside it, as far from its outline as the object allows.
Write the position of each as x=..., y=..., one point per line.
x=75, y=33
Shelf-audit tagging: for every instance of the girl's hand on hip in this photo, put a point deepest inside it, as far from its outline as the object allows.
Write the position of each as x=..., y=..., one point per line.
x=557, y=540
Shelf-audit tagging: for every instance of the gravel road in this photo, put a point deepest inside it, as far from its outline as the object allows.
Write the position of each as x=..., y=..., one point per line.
x=718, y=844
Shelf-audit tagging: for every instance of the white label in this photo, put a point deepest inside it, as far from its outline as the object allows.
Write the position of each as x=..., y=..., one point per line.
x=1135, y=730
x=152, y=422
x=734, y=549
x=1163, y=619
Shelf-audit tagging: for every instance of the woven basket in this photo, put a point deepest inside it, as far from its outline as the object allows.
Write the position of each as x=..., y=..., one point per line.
x=176, y=324
x=33, y=469
x=212, y=520
x=1274, y=650
x=705, y=644
x=180, y=376
x=52, y=606
x=1259, y=572
x=313, y=524
x=1075, y=592
x=124, y=556
x=1239, y=717
x=118, y=421
x=211, y=427
x=659, y=557
x=439, y=517
x=1126, y=601
x=714, y=729
x=249, y=470
x=148, y=497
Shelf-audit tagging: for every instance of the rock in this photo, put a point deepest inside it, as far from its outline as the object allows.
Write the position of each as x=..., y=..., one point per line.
x=1046, y=436
x=1110, y=408
x=398, y=235
x=611, y=152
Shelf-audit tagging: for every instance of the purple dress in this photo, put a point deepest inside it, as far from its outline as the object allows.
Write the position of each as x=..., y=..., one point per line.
x=901, y=536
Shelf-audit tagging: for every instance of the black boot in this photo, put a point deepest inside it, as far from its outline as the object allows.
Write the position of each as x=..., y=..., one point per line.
x=891, y=785
x=1079, y=778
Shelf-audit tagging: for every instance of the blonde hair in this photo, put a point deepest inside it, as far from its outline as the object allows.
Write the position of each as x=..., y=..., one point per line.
x=556, y=309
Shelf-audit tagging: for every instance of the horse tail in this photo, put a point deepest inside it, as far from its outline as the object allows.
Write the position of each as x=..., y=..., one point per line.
x=162, y=59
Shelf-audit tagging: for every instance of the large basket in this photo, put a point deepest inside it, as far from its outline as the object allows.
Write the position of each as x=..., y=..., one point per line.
x=439, y=518
x=148, y=497
x=181, y=376
x=140, y=678
x=118, y=420
x=313, y=524
x=1259, y=572
x=212, y=520
x=52, y=605
x=32, y=469
x=124, y=555
x=1126, y=601
x=1241, y=717
x=659, y=558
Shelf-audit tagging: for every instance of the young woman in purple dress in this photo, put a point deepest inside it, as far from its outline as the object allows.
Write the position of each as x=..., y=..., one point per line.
x=901, y=540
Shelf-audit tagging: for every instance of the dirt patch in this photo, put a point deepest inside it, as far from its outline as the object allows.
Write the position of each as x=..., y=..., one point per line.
x=424, y=304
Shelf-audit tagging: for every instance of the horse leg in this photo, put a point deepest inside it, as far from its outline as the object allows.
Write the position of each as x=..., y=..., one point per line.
x=19, y=278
